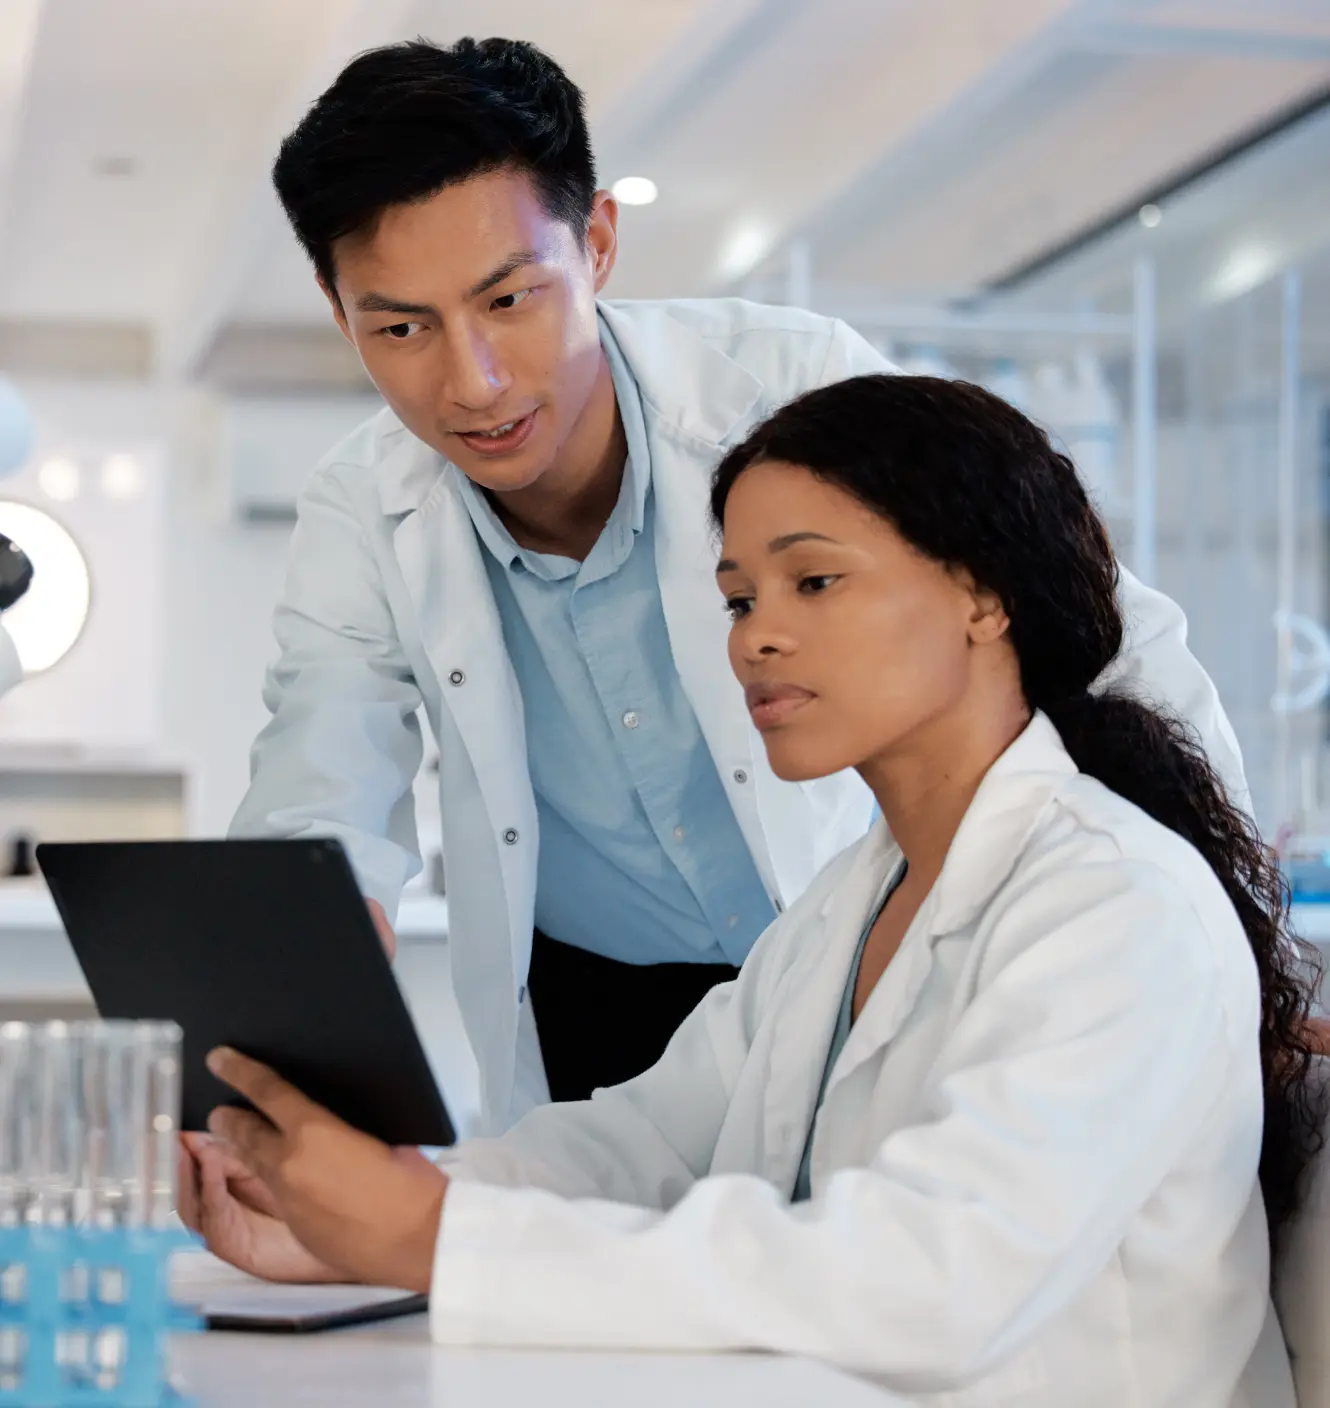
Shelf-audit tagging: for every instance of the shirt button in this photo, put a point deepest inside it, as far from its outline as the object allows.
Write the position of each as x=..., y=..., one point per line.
x=740, y=776
x=457, y=677
x=630, y=719
x=510, y=837
x=679, y=833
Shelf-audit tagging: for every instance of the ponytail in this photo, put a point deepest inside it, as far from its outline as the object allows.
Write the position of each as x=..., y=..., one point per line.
x=1156, y=762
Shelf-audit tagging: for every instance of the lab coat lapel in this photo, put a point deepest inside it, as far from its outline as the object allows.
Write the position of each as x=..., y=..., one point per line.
x=809, y=1004
x=462, y=636
x=697, y=402
x=1005, y=808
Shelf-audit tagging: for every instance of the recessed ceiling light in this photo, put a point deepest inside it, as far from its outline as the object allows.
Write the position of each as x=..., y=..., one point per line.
x=1149, y=216
x=634, y=190
x=122, y=477
x=59, y=480
x=747, y=245
x=117, y=164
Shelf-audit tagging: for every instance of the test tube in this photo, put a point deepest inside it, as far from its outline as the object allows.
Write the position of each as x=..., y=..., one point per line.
x=57, y=1115
x=15, y=1182
x=163, y=1040
x=15, y=1122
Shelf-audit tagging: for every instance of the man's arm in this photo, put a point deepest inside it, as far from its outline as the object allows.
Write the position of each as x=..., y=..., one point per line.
x=342, y=749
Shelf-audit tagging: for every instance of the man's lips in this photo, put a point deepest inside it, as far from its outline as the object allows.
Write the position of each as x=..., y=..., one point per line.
x=772, y=702
x=513, y=436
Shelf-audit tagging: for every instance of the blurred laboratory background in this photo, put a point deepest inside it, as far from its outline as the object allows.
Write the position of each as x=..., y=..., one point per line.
x=1116, y=213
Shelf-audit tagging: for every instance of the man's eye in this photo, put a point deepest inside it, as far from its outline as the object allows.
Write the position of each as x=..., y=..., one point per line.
x=399, y=332
x=506, y=301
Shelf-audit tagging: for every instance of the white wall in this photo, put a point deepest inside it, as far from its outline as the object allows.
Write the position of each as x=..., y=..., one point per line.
x=171, y=664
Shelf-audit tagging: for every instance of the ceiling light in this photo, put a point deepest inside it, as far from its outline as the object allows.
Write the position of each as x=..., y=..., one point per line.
x=47, y=620
x=122, y=477
x=59, y=480
x=1149, y=216
x=746, y=248
x=1243, y=270
x=634, y=190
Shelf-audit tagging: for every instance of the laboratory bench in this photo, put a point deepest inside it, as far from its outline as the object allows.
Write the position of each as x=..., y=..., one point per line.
x=393, y=1363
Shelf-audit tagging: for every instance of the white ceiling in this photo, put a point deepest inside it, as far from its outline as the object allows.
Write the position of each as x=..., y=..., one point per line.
x=918, y=147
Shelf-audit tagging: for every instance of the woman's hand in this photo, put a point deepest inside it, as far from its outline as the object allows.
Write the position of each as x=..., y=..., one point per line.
x=300, y=1195
x=230, y=1207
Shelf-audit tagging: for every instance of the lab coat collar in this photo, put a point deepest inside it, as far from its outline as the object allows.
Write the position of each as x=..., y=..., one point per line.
x=1006, y=808
x=407, y=468
x=998, y=822
x=682, y=378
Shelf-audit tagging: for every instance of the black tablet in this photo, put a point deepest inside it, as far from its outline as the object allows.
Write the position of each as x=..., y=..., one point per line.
x=265, y=946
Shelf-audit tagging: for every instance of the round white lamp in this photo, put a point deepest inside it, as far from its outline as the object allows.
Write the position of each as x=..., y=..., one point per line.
x=49, y=618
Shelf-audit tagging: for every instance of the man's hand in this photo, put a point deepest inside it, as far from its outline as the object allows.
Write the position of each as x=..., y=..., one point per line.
x=344, y=1205
x=386, y=934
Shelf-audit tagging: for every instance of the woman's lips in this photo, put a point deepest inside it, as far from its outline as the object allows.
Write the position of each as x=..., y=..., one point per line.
x=503, y=444
x=771, y=704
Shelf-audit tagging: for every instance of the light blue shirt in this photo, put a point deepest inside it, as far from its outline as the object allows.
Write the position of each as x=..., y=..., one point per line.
x=641, y=858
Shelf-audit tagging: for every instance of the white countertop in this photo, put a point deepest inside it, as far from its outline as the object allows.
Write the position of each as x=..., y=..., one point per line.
x=392, y=1363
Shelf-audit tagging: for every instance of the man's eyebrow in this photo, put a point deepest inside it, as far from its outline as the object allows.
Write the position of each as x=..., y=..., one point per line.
x=786, y=540
x=381, y=303
x=520, y=260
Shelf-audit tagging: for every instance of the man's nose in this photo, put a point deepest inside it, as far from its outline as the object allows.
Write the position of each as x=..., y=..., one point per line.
x=475, y=377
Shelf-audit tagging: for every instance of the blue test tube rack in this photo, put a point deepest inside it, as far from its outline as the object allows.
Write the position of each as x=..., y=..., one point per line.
x=64, y=1290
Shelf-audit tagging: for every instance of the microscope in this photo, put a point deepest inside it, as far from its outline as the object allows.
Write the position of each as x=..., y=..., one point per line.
x=15, y=579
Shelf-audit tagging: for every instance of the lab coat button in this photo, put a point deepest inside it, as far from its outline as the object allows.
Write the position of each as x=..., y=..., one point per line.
x=630, y=719
x=740, y=776
x=457, y=677
x=510, y=837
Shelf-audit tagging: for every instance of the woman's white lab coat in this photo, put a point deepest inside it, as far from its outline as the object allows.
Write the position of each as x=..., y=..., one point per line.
x=1034, y=1174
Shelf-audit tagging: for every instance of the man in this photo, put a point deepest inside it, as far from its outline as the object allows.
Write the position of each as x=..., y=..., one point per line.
x=520, y=543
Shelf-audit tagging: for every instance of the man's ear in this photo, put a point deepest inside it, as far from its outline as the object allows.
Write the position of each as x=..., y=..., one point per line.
x=602, y=237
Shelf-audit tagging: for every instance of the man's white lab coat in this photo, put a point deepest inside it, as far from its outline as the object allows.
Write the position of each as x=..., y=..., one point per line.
x=1034, y=1173
x=388, y=606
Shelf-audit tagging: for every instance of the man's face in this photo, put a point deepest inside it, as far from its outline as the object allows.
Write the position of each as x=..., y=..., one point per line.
x=475, y=311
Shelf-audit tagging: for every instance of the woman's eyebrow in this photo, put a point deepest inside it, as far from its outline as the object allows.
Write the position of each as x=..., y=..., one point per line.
x=786, y=540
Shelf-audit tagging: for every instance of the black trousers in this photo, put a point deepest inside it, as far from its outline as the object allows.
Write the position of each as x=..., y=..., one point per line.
x=602, y=1022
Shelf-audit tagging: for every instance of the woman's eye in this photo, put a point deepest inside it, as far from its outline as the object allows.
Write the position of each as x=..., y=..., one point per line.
x=737, y=606
x=399, y=332
x=812, y=585
x=506, y=301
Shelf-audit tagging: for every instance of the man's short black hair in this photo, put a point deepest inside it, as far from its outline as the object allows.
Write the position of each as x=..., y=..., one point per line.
x=402, y=122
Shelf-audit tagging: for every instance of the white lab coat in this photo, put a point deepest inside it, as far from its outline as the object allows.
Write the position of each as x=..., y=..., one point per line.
x=388, y=605
x=1034, y=1173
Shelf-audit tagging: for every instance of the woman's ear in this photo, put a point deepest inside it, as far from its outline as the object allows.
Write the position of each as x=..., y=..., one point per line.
x=989, y=621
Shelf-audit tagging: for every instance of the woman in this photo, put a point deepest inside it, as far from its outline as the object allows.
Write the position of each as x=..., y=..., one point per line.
x=983, y=1113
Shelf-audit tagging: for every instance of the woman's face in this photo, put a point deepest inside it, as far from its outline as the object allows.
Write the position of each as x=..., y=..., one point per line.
x=848, y=641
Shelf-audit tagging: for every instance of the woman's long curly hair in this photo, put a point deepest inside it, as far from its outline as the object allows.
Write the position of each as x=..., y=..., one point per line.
x=969, y=481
